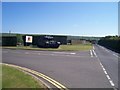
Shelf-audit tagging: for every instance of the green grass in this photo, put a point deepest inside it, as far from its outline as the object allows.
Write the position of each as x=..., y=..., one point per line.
x=79, y=47
x=13, y=78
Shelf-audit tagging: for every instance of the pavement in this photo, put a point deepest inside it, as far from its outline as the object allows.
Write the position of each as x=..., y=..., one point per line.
x=97, y=68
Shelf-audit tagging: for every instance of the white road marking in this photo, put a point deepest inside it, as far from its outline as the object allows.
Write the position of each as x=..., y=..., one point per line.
x=103, y=68
x=101, y=47
x=72, y=53
x=115, y=55
x=108, y=77
x=105, y=72
x=94, y=53
x=91, y=54
x=63, y=52
x=107, y=50
x=100, y=63
x=111, y=82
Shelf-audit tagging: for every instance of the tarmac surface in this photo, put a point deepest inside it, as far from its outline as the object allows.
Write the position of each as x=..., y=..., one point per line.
x=97, y=68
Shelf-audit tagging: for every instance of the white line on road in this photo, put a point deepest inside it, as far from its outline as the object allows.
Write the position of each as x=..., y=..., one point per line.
x=73, y=53
x=103, y=69
x=108, y=77
x=116, y=55
x=64, y=53
x=107, y=50
x=91, y=54
x=111, y=82
x=105, y=72
x=94, y=53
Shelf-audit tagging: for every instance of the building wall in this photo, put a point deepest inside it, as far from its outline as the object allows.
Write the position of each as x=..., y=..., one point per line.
x=79, y=42
x=9, y=40
x=37, y=39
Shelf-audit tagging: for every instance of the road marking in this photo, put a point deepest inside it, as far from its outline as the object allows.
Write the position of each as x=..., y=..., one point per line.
x=38, y=79
x=91, y=54
x=63, y=52
x=105, y=72
x=103, y=69
x=50, y=80
x=111, y=82
x=73, y=53
x=115, y=55
x=94, y=53
x=107, y=50
x=108, y=77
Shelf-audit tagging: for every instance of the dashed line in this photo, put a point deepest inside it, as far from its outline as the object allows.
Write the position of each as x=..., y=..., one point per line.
x=107, y=50
x=105, y=72
x=108, y=77
x=111, y=82
x=63, y=53
x=103, y=68
x=115, y=55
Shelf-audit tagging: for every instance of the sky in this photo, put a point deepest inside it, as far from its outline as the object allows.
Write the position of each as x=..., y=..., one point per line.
x=61, y=18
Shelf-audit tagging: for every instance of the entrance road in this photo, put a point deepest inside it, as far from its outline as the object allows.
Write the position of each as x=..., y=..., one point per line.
x=72, y=69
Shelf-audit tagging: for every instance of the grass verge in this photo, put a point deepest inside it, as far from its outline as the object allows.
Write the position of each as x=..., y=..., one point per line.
x=13, y=78
x=79, y=47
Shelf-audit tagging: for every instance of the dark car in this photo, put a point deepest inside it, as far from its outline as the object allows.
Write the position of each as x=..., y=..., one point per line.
x=47, y=42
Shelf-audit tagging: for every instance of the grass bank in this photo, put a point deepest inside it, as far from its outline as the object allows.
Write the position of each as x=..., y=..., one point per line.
x=13, y=78
x=79, y=47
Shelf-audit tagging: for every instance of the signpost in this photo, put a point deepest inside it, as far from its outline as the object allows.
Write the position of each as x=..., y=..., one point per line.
x=29, y=39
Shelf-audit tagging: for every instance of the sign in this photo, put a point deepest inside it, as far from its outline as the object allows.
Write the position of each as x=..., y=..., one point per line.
x=29, y=39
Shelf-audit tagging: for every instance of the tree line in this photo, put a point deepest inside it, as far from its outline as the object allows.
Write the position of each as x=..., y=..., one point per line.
x=111, y=42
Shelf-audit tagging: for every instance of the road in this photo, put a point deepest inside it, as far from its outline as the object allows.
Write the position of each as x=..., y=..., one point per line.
x=96, y=68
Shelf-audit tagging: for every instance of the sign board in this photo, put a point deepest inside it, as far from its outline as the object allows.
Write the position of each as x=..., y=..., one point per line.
x=29, y=39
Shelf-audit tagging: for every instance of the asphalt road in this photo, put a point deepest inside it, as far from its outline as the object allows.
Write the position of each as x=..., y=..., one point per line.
x=80, y=69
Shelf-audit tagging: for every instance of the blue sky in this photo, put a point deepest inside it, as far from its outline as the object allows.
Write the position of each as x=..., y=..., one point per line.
x=66, y=18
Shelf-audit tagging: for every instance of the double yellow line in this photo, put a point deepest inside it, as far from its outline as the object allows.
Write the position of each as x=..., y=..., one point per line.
x=50, y=80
